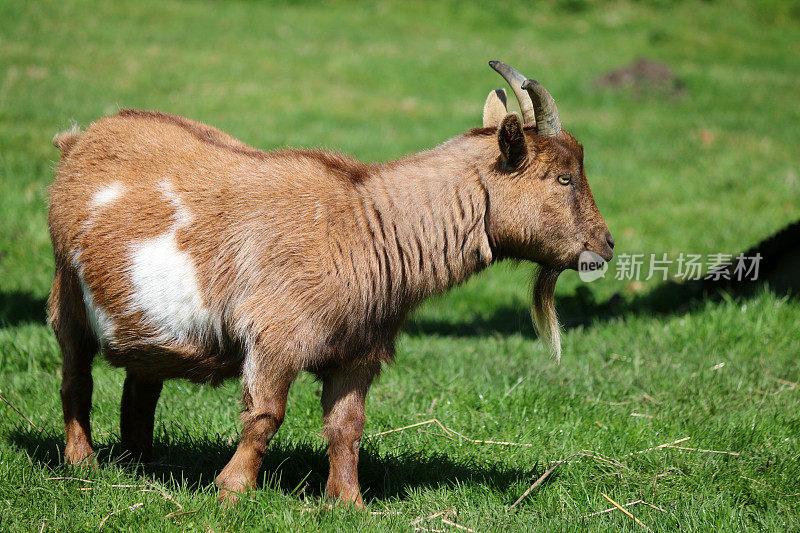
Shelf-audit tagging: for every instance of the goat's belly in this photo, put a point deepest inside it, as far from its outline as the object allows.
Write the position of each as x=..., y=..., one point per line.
x=160, y=362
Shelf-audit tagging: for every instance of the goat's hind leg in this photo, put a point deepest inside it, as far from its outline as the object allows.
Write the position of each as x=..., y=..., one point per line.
x=78, y=348
x=139, y=399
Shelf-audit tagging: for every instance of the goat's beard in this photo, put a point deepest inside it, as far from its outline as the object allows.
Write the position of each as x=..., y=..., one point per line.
x=543, y=309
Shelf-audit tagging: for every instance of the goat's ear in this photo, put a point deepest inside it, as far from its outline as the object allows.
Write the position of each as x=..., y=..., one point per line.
x=511, y=138
x=495, y=108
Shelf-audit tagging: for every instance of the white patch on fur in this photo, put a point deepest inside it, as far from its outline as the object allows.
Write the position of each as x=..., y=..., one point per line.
x=99, y=321
x=107, y=194
x=183, y=217
x=166, y=290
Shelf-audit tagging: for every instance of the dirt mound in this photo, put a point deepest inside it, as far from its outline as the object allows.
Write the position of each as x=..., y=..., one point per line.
x=643, y=77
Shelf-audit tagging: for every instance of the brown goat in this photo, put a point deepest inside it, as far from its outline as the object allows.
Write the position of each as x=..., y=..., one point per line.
x=182, y=252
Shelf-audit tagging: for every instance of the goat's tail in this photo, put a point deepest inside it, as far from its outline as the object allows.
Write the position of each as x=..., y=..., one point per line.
x=543, y=309
x=65, y=140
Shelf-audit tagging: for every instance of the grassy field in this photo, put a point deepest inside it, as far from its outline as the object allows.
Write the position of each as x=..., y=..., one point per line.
x=715, y=169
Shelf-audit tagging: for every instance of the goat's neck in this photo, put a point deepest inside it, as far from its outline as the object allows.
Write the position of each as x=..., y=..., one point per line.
x=431, y=213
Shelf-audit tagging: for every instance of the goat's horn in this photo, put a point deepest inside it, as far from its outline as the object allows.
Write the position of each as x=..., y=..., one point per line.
x=544, y=109
x=515, y=80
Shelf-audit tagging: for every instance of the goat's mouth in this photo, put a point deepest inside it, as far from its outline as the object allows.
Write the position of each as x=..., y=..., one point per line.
x=607, y=253
x=590, y=259
x=577, y=258
x=602, y=250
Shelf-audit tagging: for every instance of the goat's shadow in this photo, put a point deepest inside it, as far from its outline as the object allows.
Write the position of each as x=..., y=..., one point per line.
x=20, y=307
x=303, y=466
x=292, y=468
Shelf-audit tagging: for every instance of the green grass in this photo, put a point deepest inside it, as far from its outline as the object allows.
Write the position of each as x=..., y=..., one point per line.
x=639, y=370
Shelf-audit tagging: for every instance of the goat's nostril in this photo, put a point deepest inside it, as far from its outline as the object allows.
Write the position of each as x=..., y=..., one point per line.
x=610, y=239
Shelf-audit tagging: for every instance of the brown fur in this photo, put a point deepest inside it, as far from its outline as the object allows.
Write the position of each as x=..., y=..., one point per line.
x=305, y=261
x=66, y=139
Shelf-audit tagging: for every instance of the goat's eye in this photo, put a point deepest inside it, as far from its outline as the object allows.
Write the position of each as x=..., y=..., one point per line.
x=565, y=179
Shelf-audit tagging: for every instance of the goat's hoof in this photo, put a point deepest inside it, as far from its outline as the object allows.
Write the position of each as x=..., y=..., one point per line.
x=81, y=455
x=228, y=498
x=231, y=488
x=346, y=496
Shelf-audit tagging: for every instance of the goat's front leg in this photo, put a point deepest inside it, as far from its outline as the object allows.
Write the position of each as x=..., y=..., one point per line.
x=264, y=396
x=344, y=393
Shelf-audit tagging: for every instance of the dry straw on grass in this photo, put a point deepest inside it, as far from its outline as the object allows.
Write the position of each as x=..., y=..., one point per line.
x=538, y=482
x=449, y=433
x=442, y=516
x=627, y=513
x=131, y=508
x=18, y=411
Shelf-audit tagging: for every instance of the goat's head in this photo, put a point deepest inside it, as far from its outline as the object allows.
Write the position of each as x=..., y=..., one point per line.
x=541, y=207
